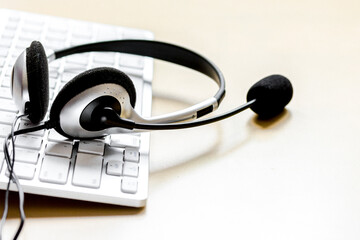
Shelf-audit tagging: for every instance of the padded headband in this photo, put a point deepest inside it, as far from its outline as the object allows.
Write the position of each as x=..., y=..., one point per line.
x=159, y=50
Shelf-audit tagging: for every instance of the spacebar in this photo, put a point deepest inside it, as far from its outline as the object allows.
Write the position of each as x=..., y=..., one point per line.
x=87, y=172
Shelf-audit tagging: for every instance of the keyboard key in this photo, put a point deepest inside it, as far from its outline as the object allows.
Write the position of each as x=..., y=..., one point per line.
x=54, y=44
x=11, y=26
x=82, y=59
x=5, y=93
x=114, y=154
x=87, y=171
x=67, y=76
x=15, y=54
x=52, y=82
x=8, y=72
x=82, y=31
x=59, y=149
x=27, y=124
x=106, y=34
x=58, y=28
x=75, y=41
x=55, y=36
x=51, y=94
x=130, y=169
x=129, y=185
x=131, y=154
x=33, y=28
x=5, y=130
x=123, y=140
x=14, y=18
x=27, y=36
x=7, y=117
x=134, y=34
x=3, y=52
x=26, y=155
x=132, y=71
x=34, y=21
x=1, y=160
x=22, y=44
x=132, y=61
x=2, y=61
x=6, y=83
x=93, y=147
x=114, y=168
x=57, y=137
x=54, y=169
x=23, y=171
x=53, y=73
x=74, y=67
x=2, y=144
x=28, y=141
x=105, y=58
x=8, y=35
x=8, y=105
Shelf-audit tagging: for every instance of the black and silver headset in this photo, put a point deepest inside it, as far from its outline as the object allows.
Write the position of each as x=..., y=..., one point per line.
x=101, y=101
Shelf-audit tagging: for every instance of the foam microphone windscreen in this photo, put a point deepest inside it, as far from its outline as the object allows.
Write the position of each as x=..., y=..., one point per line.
x=272, y=94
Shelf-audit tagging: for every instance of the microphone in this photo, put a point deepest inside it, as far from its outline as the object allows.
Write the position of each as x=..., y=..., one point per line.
x=268, y=97
x=272, y=94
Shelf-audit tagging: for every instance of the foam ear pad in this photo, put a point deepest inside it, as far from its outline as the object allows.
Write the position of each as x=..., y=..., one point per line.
x=38, y=81
x=88, y=79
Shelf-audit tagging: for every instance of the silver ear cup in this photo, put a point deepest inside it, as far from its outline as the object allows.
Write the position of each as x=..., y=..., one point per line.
x=70, y=114
x=19, y=83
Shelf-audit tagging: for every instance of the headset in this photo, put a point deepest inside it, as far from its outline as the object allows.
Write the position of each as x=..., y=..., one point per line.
x=101, y=101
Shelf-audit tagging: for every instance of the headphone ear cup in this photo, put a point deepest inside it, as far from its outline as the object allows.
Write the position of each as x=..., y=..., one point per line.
x=38, y=81
x=86, y=80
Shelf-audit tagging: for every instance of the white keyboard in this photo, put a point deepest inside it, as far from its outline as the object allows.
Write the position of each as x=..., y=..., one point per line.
x=46, y=162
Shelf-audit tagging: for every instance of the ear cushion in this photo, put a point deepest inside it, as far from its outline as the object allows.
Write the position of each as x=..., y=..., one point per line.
x=87, y=80
x=38, y=81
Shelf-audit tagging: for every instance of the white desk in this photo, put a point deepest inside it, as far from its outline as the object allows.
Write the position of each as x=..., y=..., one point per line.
x=294, y=178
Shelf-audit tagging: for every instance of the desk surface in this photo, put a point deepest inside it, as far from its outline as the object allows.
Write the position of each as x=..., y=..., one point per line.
x=296, y=177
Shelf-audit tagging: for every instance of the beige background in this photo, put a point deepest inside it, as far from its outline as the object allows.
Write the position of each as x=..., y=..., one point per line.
x=296, y=177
